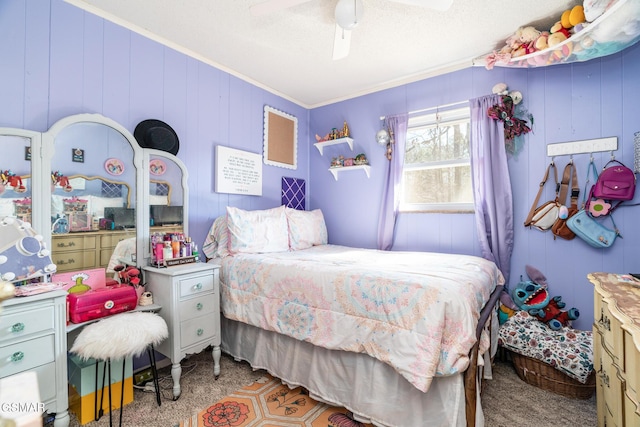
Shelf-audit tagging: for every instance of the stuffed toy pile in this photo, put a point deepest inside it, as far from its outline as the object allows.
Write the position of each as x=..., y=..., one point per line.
x=528, y=39
x=533, y=297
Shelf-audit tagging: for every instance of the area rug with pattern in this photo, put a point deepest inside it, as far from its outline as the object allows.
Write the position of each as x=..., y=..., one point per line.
x=268, y=402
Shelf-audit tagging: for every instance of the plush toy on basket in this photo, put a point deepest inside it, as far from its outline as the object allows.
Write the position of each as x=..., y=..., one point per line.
x=533, y=297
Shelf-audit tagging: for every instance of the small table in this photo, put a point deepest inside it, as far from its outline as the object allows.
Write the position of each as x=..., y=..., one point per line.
x=190, y=298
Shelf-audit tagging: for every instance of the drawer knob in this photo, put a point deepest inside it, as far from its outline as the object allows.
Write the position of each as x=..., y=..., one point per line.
x=18, y=327
x=199, y=306
x=200, y=331
x=17, y=356
x=197, y=286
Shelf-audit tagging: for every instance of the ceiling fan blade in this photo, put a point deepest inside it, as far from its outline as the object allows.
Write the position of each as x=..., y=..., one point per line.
x=440, y=5
x=273, y=6
x=341, y=43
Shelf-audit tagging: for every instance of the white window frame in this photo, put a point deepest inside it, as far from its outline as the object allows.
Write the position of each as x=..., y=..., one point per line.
x=449, y=117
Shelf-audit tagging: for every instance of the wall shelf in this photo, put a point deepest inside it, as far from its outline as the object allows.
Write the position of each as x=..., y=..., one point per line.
x=366, y=168
x=320, y=145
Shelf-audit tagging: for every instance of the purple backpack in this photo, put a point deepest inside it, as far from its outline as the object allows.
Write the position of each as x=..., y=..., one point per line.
x=616, y=182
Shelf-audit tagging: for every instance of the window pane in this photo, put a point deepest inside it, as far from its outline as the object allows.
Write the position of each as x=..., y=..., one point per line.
x=438, y=185
x=437, y=143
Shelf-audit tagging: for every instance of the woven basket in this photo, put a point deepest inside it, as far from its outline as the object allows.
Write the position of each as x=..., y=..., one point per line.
x=546, y=377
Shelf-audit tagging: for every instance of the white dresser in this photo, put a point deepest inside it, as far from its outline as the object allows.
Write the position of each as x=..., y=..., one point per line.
x=33, y=338
x=190, y=299
x=616, y=342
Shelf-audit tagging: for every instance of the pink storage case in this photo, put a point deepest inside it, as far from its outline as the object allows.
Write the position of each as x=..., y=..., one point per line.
x=99, y=303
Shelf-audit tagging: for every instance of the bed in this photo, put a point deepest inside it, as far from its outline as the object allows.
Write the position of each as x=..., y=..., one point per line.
x=394, y=337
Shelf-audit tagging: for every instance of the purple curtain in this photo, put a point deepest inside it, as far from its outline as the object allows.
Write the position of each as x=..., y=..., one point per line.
x=397, y=126
x=492, y=185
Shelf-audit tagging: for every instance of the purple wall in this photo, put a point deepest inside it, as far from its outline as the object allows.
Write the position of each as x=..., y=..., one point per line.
x=569, y=103
x=58, y=60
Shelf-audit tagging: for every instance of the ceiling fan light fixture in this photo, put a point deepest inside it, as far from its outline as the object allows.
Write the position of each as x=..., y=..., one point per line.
x=349, y=13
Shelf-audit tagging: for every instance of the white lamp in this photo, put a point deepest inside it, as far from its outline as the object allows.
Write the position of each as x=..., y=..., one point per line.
x=349, y=13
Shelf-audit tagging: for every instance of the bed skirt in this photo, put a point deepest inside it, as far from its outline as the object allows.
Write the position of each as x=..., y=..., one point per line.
x=370, y=389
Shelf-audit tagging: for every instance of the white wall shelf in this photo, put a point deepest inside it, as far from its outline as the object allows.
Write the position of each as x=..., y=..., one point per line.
x=320, y=145
x=366, y=168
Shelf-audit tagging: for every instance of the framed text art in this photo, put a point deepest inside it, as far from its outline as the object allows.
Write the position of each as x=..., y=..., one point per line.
x=238, y=172
x=280, y=139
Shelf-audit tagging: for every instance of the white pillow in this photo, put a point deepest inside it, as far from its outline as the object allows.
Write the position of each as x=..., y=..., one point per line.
x=217, y=241
x=306, y=228
x=158, y=200
x=258, y=231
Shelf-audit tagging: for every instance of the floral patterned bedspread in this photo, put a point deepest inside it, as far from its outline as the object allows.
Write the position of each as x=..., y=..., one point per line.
x=568, y=350
x=415, y=311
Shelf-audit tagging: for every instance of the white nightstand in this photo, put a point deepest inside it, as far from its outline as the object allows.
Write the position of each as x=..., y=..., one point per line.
x=190, y=299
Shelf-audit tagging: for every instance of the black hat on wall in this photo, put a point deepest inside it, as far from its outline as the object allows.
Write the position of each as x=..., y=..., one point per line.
x=158, y=135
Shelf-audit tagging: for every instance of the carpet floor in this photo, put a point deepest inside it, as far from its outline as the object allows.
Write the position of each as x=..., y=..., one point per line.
x=507, y=401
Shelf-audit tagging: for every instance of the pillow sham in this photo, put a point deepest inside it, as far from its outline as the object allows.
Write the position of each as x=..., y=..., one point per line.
x=215, y=245
x=259, y=231
x=306, y=228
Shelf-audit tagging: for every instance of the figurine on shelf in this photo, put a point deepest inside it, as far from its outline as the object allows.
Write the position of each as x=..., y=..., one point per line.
x=345, y=130
x=348, y=162
x=361, y=159
x=337, y=162
x=322, y=138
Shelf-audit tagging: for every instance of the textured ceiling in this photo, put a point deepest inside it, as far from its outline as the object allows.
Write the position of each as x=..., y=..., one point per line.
x=289, y=52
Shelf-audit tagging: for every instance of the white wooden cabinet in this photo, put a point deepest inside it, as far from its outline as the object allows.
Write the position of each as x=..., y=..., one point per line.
x=190, y=299
x=33, y=338
x=616, y=345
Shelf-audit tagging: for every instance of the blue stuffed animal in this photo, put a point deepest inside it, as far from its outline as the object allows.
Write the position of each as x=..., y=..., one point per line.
x=535, y=299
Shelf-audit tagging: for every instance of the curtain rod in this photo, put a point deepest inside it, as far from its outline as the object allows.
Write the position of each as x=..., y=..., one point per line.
x=453, y=104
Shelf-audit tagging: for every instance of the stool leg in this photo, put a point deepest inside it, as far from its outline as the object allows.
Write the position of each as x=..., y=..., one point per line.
x=124, y=363
x=156, y=382
x=110, y=400
x=99, y=412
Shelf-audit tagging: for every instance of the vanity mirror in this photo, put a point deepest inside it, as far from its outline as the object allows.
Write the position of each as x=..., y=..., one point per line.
x=168, y=195
x=95, y=192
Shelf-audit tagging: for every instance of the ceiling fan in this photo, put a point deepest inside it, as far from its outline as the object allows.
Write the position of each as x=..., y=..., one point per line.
x=348, y=14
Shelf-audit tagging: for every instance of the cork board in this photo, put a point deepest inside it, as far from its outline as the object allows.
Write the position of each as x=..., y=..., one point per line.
x=280, y=139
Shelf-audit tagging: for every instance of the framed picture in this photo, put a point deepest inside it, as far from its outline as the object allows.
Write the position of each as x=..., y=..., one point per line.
x=77, y=155
x=280, y=139
x=238, y=172
x=27, y=153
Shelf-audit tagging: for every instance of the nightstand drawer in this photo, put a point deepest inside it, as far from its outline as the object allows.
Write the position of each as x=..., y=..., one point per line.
x=195, y=307
x=198, y=329
x=26, y=355
x=16, y=325
x=196, y=285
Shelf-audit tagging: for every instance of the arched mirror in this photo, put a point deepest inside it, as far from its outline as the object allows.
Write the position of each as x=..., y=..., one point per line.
x=20, y=175
x=167, y=196
x=94, y=190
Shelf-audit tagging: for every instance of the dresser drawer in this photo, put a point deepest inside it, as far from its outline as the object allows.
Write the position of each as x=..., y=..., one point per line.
x=26, y=355
x=198, y=329
x=73, y=243
x=76, y=260
x=610, y=327
x=16, y=325
x=195, y=307
x=195, y=285
x=612, y=388
x=112, y=239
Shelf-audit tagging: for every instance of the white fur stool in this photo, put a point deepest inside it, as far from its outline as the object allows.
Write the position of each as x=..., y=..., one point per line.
x=119, y=337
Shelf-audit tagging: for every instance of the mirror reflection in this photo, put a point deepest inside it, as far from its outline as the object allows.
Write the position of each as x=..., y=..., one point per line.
x=93, y=203
x=15, y=177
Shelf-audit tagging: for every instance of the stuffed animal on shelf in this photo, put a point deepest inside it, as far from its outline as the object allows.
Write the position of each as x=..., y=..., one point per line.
x=535, y=299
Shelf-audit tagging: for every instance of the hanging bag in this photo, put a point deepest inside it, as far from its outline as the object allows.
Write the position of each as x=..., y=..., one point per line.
x=544, y=216
x=585, y=226
x=560, y=228
x=615, y=183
